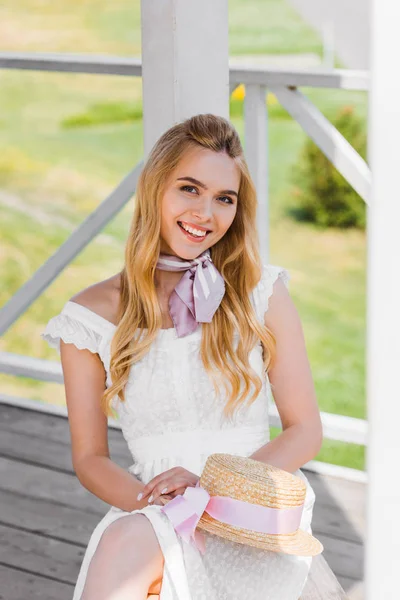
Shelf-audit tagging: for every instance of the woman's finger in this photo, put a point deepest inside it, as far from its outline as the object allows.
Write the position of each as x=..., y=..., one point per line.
x=179, y=491
x=150, y=489
x=157, y=480
x=162, y=500
x=170, y=487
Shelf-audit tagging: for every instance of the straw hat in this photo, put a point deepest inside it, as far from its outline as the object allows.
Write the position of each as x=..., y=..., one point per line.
x=255, y=482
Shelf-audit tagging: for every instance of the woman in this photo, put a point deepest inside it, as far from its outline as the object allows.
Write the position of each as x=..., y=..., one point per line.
x=185, y=344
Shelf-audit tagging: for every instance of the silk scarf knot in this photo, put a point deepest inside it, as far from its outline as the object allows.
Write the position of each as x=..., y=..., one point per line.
x=198, y=293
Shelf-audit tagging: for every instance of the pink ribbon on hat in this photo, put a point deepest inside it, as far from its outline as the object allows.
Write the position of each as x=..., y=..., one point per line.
x=197, y=294
x=184, y=511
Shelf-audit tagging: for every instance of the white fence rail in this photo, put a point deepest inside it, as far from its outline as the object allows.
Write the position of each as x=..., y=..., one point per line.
x=345, y=79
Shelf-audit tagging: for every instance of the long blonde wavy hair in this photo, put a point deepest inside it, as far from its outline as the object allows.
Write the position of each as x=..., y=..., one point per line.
x=235, y=255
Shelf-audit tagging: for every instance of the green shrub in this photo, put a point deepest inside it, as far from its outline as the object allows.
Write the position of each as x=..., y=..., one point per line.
x=105, y=113
x=321, y=194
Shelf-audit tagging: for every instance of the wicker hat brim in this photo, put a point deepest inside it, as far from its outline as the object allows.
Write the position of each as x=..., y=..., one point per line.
x=299, y=543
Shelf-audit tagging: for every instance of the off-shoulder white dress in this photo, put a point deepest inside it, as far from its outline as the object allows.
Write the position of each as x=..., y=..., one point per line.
x=172, y=417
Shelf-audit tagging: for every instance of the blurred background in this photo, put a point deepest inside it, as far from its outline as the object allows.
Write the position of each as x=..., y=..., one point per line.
x=67, y=140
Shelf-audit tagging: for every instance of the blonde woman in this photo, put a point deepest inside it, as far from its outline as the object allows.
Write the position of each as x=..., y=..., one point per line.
x=184, y=345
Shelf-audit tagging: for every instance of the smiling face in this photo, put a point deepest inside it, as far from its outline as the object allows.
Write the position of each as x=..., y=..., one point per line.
x=200, y=194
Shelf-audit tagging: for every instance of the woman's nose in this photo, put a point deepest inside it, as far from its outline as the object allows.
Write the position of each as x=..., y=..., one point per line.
x=203, y=209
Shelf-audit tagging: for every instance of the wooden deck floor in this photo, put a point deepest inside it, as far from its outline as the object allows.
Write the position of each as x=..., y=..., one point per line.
x=47, y=517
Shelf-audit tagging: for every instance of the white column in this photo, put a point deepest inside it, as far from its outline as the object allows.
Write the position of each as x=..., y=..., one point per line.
x=382, y=563
x=185, y=62
x=256, y=149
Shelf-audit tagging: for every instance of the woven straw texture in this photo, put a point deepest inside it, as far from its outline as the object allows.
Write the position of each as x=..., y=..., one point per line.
x=256, y=482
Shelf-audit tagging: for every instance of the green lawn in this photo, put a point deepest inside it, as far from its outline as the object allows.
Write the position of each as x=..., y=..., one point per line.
x=53, y=172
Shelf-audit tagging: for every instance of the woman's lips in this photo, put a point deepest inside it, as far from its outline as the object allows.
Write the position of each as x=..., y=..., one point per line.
x=191, y=237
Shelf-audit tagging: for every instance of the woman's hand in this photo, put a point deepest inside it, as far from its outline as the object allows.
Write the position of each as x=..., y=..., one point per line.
x=164, y=499
x=171, y=483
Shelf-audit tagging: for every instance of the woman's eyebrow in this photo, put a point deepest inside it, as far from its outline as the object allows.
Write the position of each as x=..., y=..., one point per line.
x=197, y=182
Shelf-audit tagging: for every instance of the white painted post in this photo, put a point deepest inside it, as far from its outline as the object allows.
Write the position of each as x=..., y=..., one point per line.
x=256, y=150
x=185, y=62
x=383, y=337
x=328, y=38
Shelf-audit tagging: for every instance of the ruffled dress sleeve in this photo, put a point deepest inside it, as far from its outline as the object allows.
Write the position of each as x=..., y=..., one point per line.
x=74, y=325
x=265, y=287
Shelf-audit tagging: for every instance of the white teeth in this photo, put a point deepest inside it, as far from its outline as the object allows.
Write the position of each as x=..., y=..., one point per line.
x=194, y=231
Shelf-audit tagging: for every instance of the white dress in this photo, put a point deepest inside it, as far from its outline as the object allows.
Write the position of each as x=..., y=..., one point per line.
x=172, y=417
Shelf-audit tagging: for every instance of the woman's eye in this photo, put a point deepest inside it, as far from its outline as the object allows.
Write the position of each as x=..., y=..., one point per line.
x=191, y=187
x=185, y=187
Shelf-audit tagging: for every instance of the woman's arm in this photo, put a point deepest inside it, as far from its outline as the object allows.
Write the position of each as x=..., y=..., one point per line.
x=84, y=381
x=293, y=389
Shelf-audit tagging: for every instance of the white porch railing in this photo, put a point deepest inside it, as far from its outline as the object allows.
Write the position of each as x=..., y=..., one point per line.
x=284, y=84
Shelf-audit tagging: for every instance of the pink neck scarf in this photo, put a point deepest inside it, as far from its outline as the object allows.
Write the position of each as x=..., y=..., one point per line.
x=198, y=293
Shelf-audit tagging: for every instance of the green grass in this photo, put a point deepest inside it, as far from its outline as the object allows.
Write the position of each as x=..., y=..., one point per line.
x=100, y=26
x=269, y=27
x=67, y=140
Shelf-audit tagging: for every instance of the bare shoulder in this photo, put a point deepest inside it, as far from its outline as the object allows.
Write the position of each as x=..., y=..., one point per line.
x=101, y=298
